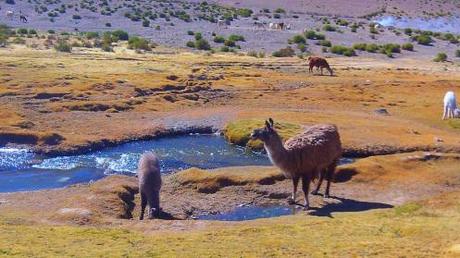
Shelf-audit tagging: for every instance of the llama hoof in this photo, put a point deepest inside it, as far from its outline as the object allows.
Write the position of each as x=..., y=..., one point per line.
x=326, y=196
x=306, y=207
x=315, y=192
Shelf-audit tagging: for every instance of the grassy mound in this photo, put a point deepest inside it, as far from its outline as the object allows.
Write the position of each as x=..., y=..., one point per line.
x=238, y=132
x=212, y=180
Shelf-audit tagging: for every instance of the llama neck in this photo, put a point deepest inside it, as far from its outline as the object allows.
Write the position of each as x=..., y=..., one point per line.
x=276, y=151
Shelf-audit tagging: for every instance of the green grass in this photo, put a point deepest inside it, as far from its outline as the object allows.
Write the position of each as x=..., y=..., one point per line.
x=454, y=123
x=238, y=132
x=372, y=233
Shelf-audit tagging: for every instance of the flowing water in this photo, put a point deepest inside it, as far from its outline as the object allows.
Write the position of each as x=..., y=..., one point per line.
x=22, y=170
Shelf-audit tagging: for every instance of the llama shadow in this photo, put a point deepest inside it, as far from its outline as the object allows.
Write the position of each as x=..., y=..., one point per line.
x=347, y=205
x=167, y=216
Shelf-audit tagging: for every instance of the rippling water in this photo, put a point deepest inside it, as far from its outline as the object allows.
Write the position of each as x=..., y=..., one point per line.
x=253, y=212
x=23, y=170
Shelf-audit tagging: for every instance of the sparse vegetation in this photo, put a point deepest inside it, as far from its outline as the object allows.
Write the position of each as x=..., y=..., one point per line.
x=440, y=57
x=63, y=46
x=423, y=39
x=284, y=52
x=407, y=46
x=139, y=43
x=342, y=50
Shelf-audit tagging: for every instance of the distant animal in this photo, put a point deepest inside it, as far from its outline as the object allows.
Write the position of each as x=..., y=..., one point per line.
x=258, y=24
x=311, y=154
x=288, y=26
x=23, y=18
x=149, y=184
x=276, y=26
x=450, y=105
x=320, y=63
x=9, y=14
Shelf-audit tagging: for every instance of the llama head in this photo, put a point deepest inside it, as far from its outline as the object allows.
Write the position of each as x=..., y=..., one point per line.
x=266, y=133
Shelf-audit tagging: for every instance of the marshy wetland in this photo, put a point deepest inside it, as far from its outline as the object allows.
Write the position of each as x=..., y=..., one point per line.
x=74, y=123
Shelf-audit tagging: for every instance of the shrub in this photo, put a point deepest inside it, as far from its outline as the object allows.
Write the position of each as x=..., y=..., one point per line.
x=311, y=34
x=261, y=54
x=76, y=17
x=120, y=35
x=277, y=16
x=325, y=43
x=198, y=36
x=202, y=44
x=108, y=24
x=372, y=48
x=280, y=10
x=145, y=23
x=190, y=44
x=252, y=53
x=359, y=46
x=22, y=31
x=32, y=32
x=157, y=27
x=63, y=46
x=92, y=35
x=392, y=48
x=329, y=27
x=219, y=39
x=106, y=47
x=440, y=57
x=10, y=2
x=341, y=22
x=457, y=53
x=407, y=46
x=235, y=37
x=423, y=40
x=298, y=39
x=138, y=43
x=225, y=49
x=408, y=31
x=190, y=33
x=302, y=47
x=373, y=30
x=284, y=52
x=229, y=43
x=342, y=50
x=51, y=32
x=245, y=12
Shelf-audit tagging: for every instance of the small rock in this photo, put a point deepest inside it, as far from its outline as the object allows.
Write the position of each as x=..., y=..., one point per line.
x=437, y=139
x=382, y=111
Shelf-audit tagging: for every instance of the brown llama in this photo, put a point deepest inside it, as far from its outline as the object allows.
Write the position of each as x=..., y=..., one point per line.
x=149, y=184
x=311, y=154
x=319, y=63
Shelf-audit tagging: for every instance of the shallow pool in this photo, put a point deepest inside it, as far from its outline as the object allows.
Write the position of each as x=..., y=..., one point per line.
x=253, y=212
x=439, y=24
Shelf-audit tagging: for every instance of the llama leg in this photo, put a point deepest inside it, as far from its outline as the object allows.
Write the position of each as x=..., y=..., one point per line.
x=305, y=187
x=156, y=204
x=295, y=182
x=152, y=205
x=451, y=113
x=321, y=70
x=444, y=114
x=329, y=174
x=143, y=204
x=320, y=181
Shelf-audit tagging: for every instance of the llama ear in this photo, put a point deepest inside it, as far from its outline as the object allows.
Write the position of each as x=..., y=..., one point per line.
x=271, y=122
x=267, y=124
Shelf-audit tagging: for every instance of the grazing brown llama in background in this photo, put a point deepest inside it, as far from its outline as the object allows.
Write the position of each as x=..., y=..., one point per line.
x=311, y=154
x=149, y=184
x=318, y=62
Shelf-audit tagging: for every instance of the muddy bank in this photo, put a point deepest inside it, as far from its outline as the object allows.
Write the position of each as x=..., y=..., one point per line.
x=369, y=183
